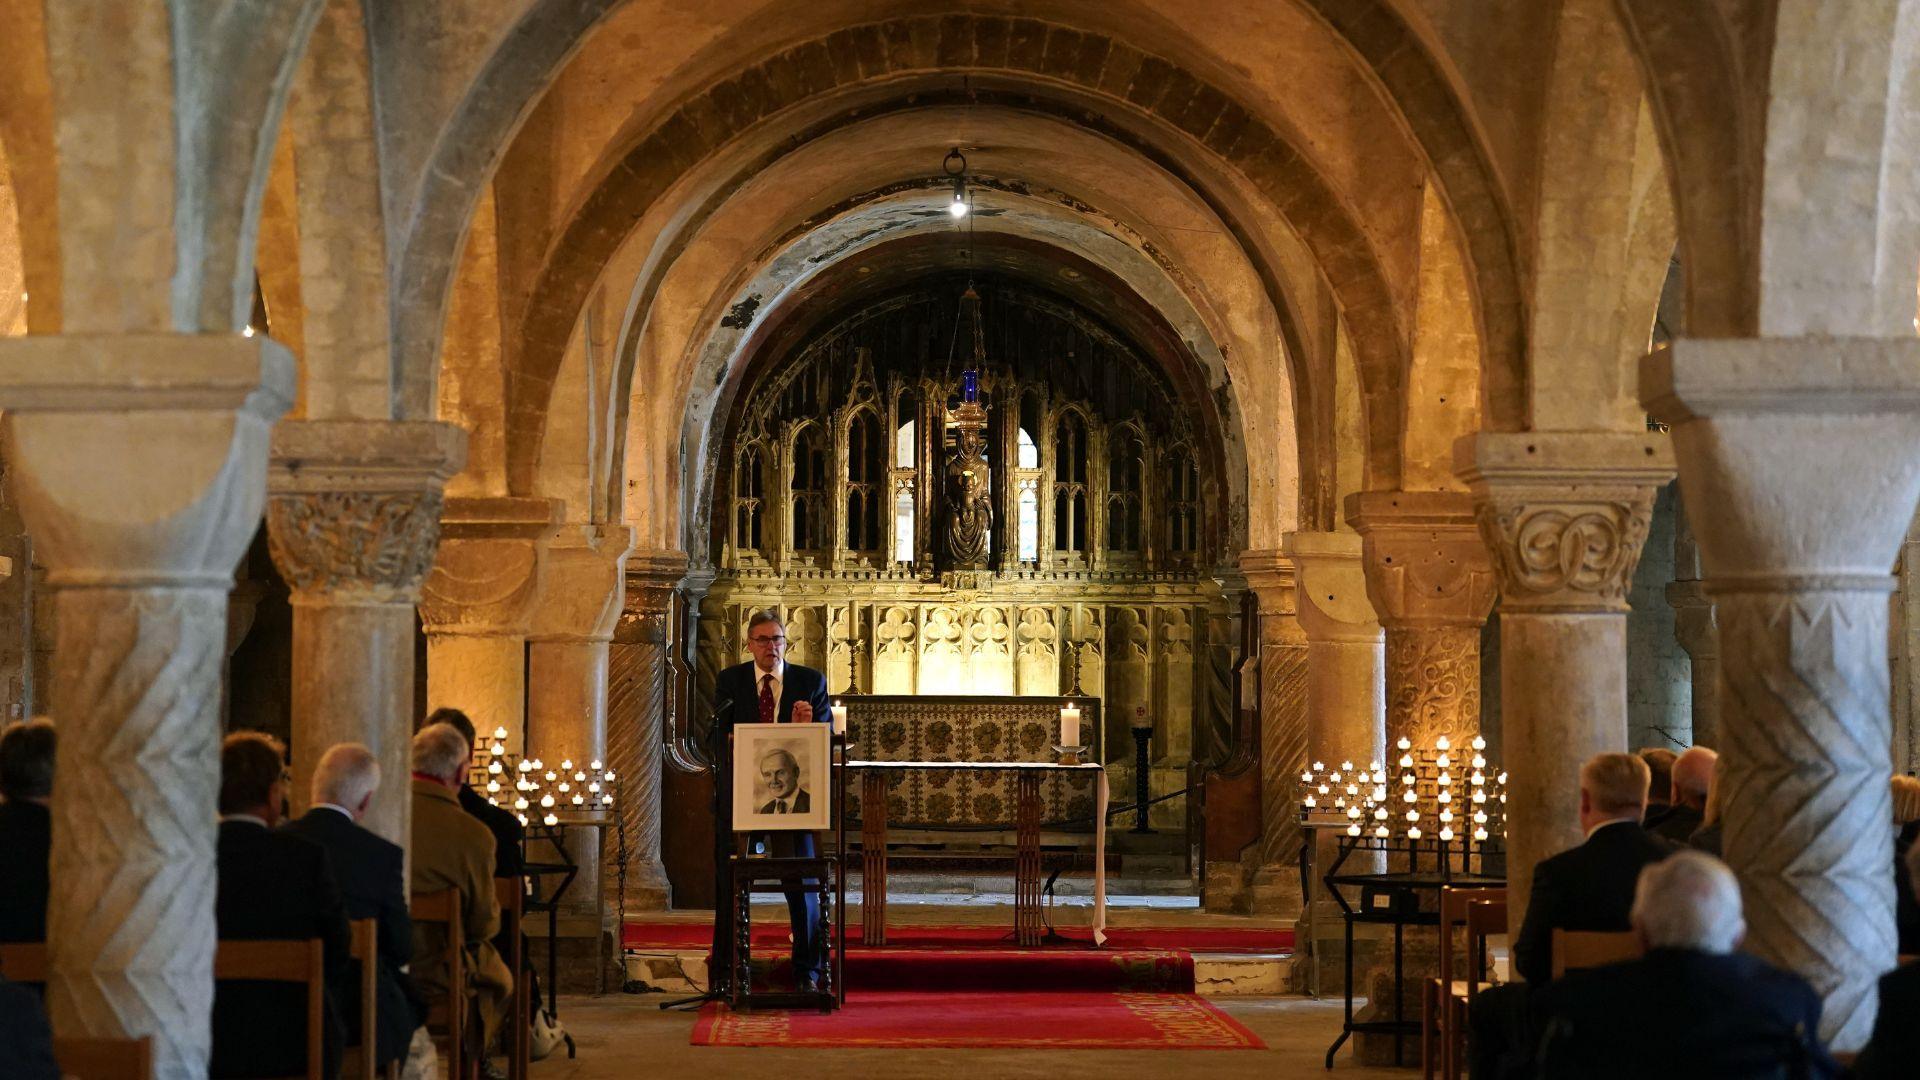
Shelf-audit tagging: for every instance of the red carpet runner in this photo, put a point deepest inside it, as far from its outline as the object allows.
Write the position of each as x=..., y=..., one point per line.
x=1063, y=1020
x=959, y=986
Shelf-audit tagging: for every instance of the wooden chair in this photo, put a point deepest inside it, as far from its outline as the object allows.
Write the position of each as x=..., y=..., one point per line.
x=1575, y=950
x=283, y=961
x=446, y=1018
x=512, y=894
x=105, y=1059
x=1439, y=1001
x=24, y=962
x=366, y=949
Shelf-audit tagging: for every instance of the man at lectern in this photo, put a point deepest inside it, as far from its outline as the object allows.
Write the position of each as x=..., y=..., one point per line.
x=769, y=690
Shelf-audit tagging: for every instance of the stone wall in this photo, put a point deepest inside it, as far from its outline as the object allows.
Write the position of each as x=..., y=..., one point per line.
x=1659, y=674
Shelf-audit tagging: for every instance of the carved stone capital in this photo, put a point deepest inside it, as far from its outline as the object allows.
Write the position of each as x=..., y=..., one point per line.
x=652, y=579
x=1564, y=514
x=580, y=587
x=1331, y=594
x=486, y=567
x=1426, y=564
x=353, y=506
x=84, y=415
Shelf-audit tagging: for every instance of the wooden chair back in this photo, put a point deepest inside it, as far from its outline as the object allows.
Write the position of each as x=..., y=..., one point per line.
x=105, y=1059
x=1453, y=913
x=1485, y=919
x=366, y=949
x=446, y=1017
x=512, y=894
x=282, y=961
x=24, y=962
x=1574, y=950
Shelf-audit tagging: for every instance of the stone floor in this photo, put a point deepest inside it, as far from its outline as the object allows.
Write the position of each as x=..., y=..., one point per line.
x=625, y=1035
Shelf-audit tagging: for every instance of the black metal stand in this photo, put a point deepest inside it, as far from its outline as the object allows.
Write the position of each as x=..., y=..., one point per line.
x=566, y=870
x=1142, y=790
x=720, y=969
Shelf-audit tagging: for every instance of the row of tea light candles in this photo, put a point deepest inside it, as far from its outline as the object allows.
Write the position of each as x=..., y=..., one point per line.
x=1375, y=803
x=594, y=790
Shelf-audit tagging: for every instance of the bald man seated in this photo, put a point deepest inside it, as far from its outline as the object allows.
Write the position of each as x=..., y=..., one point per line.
x=1691, y=1006
x=1687, y=804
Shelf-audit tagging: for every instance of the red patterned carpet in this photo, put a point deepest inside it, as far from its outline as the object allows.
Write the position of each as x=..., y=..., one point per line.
x=970, y=986
x=1058, y=1020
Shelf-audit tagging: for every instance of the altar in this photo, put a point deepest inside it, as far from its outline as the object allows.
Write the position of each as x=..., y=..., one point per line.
x=933, y=766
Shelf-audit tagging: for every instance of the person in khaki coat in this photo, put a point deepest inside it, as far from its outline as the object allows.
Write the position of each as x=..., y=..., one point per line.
x=453, y=850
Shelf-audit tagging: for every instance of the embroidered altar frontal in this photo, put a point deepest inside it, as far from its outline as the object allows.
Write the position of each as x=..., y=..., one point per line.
x=967, y=728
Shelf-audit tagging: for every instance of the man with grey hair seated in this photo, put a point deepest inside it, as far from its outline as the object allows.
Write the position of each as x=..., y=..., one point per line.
x=453, y=850
x=1691, y=1006
x=368, y=869
x=1895, y=1045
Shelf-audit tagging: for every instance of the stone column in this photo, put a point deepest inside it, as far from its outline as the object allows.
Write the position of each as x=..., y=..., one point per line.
x=1695, y=628
x=1800, y=464
x=1283, y=732
x=637, y=714
x=1905, y=642
x=475, y=607
x=576, y=607
x=353, y=516
x=139, y=463
x=1429, y=577
x=1564, y=515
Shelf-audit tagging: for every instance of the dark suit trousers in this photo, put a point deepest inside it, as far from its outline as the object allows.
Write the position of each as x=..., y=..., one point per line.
x=803, y=905
x=1499, y=1033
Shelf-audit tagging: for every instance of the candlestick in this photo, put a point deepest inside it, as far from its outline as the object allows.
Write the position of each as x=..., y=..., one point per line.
x=839, y=712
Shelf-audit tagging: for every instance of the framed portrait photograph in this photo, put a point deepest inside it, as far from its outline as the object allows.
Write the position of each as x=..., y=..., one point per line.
x=782, y=777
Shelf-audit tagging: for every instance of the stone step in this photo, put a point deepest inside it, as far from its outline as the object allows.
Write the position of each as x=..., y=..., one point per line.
x=1214, y=974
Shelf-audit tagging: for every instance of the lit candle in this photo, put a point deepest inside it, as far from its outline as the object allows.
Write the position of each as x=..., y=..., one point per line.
x=1381, y=832
x=595, y=766
x=609, y=776
x=1479, y=743
x=1413, y=833
x=1310, y=802
x=551, y=820
x=839, y=712
x=1353, y=830
x=1446, y=834
x=1441, y=743
x=499, y=733
x=1404, y=743
x=1069, y=725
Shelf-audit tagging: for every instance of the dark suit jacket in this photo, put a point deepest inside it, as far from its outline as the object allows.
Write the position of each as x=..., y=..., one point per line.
x=1681, y=1013
x=26, y=836
x=802, y=803
x=274, y=885
x=1675, y=823
x=26, y=1042
x=368, y=869
x=1589, y=887
x=1906, y=910
x=1895, y=1045
x=506, y=830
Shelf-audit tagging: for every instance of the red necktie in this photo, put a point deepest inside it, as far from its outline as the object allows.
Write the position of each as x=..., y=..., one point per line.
x=766, y=699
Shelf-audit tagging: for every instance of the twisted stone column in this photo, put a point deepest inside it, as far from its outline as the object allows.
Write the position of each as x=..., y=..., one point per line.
x=1283, y=732
x=637, y=703
x=140, y=547
x=1564, y=515
x=574, y=612
x=475, y=607
x=353, y=517
x=1429, y=577
x=1800, y=465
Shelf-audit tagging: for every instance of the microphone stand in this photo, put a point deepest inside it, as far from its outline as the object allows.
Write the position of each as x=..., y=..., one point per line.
x=720, y=965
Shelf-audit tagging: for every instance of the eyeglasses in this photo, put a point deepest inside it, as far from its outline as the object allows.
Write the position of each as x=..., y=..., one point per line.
x=764, y=640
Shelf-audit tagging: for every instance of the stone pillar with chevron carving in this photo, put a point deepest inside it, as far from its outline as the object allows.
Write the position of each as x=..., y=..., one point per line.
x=638, y=699
x=140, y=549
x=576, y=606
x=1800, y=466
x=353, y=518
x=1283, y=732
x=1429, y=577
x=1564, y=515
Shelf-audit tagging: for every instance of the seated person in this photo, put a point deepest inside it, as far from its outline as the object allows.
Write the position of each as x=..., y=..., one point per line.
x=451, y=850
x=1589, y=887
x=368, y=869
x=1906, y=823
x=272, y=886
x=1709, y=837
x=26, y=828
x=1691, y=1006
x=1659, y=761
x=1894, y=1047
x=506, y=829
x=1687, y=806
x=26, y=1042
